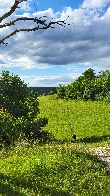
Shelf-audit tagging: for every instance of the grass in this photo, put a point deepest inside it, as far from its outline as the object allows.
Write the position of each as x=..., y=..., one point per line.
x=52, y=170
x=88, y=120
x=63, y=169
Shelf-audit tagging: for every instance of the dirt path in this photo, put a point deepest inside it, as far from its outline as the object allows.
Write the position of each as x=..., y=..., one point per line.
x=103, y=154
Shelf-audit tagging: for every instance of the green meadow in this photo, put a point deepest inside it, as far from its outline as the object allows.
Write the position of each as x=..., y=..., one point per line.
x=61, y=166
x=89, y=120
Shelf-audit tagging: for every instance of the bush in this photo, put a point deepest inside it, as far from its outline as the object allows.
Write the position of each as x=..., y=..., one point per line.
x=7, y=127
x=61, y=91
x=87, y=87
x=19, y=109
x=36, y=132
x=52, y=92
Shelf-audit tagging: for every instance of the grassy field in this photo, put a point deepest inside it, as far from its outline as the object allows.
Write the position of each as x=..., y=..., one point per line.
x=90, y=121
x=62, y=168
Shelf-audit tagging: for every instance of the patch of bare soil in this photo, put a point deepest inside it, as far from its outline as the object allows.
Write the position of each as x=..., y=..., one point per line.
x=103, y=154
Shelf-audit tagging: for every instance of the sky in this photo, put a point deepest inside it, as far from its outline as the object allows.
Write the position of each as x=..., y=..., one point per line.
x=47, y=58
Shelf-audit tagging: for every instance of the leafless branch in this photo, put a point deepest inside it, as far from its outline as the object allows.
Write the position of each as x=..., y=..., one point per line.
x=13, y=8
x=41, y=23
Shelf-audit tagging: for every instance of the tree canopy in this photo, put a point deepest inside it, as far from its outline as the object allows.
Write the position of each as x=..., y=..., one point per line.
x=19, y=109
x=87, y=87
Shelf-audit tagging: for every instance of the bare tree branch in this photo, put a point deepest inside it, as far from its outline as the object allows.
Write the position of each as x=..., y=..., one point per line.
x=13, y=8
x=25, y=19
x=41, y=23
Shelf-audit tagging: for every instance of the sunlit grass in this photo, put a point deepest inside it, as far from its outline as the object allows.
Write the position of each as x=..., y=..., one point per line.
x=65, y=169
x=88, y=120
x=62, y=167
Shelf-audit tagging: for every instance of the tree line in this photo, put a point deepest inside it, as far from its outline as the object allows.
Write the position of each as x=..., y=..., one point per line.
x=88, y=86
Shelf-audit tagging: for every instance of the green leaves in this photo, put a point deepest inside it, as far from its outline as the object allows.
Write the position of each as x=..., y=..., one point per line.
x=20, y=108
x=7, y=127
x=61, y=91
x=89, y=74
x=13, y=93
x=87, y=87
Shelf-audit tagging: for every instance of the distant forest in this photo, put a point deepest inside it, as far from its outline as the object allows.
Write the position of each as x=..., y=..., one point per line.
x=44, y=90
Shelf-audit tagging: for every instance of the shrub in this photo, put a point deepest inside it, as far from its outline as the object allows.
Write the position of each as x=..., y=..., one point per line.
x=87, y=87
x=19, y=109
x=8, y=132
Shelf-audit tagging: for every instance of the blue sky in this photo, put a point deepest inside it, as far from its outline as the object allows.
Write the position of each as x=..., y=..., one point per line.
x=56, y=5
x=60, y=55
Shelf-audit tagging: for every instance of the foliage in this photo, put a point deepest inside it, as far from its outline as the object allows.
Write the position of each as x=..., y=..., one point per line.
x=89, y=74
x=19, y=108
x=52, y=92
x=87, y=87
x=7, y=127
x=61, y=91
x=13, y=94
x=35, y=131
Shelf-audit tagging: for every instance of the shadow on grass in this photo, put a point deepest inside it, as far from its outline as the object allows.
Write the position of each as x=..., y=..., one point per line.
x=92, y=139
x=38, y=180
x=6, y=188
x=95, y=139
x=13, y=184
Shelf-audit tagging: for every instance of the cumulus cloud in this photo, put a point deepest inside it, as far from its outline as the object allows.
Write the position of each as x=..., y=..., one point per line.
x=52, y=81
x=95, y=4
x=7, y=4
x=88, y=43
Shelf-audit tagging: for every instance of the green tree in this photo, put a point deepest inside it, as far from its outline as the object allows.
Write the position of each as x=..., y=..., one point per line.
x=18, y=109
x=13, y=93
x=102, y=74
x=89, y=74
x=88, y=87
x=61, y=91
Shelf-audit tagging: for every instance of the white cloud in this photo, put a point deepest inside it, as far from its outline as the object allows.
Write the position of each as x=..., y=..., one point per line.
x=92, y=4
x=25, y=6
x=5, y=6
x=23, y=62
x=88, y=43
x=51, y=81
x=106, y=16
